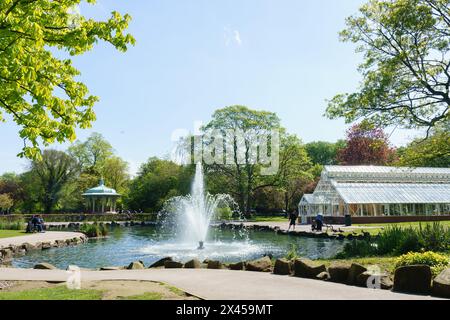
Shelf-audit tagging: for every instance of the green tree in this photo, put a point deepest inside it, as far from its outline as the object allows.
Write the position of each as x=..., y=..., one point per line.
x=52, y=172
x=92, y=153
x=6, y=202
x=115, y=172
x=243, y=173
x=39, y=89
x=158, y=181
x=406, y=64
x=434, y=152
x=324, y=153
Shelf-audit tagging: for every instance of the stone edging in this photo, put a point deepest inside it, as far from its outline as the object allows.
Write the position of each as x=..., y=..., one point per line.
x=7, y=253
x=305, y=234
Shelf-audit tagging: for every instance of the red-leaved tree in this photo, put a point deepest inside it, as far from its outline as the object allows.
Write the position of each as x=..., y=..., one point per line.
x=366, y=145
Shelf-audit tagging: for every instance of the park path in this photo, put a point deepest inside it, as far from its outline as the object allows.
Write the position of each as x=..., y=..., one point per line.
x=35, y=238
x=223, y=284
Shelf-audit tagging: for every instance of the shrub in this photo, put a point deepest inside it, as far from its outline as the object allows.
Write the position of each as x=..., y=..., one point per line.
x=12, y=225
x=357, y=248
x=94, y=230
x=224, y=213
x=292, y=253
x=436, y=261
x=390, y=239
x=434, y=237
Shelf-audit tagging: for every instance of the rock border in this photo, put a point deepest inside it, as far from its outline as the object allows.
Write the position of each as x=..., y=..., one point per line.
x=8, y=253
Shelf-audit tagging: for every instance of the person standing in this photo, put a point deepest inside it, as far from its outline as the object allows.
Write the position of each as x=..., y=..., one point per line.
x=292, y=220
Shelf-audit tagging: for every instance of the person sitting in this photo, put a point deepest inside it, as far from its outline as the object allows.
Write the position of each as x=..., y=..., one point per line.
x=41, y=224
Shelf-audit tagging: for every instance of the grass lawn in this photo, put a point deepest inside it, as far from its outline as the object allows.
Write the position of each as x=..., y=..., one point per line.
x=11, y=233
x=56, y=293
x=96, y=290
x=268, y=219
x=374, y=229
x=385, y=263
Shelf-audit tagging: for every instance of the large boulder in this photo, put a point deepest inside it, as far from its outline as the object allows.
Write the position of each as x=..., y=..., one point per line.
x=260, y=265
x=193, y=264
x=339, y=272
x=413, y=279
x=173, y=265
x=282, y=267
x=238, y=266
x=214, y=264
x=136, y=265
x=305, y=268
x=441, y=285
x=374, y=280
x=44, y=266
x=354, y=272
x=160, y=263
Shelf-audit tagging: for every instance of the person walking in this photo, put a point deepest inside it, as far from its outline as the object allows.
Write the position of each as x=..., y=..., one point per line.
x=292, y=220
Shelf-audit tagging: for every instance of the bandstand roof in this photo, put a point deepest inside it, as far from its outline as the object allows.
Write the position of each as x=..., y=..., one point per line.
x=392, y=193
x=101, y=190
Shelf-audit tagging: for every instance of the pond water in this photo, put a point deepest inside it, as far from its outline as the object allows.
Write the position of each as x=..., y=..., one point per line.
x=126, y=244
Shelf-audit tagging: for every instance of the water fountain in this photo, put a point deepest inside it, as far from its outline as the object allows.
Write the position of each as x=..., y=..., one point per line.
x=189, y=217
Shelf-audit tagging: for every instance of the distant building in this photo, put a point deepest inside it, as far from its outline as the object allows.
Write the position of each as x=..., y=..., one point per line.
x=372, y=191
x=101, y=199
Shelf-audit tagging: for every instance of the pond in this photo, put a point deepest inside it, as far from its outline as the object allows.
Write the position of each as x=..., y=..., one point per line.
x=148, y=244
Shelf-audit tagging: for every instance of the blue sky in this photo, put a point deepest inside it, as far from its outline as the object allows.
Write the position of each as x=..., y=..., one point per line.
x=193, y=57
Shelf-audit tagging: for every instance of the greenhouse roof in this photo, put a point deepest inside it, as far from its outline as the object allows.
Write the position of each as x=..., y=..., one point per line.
x=391, y=193
x=380, y=169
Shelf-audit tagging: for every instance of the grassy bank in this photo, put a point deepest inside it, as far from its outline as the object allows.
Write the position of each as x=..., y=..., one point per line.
x=11, y=233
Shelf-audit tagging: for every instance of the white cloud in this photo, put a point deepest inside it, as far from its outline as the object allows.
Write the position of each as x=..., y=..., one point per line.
x=232, y=37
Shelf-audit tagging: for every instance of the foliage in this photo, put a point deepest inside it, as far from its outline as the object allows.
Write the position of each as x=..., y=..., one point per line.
x=366, y=145
x=158, y=181
x=436, y=261
x=6, y=202
x=53, y=171
x=12, y=225
x=94, y=230
x=406, y=64
x=395, y=240
x=224, y=213
x=39, y=89
x=292, y=253
x=433, y=152
x=91, y=153
x=324, y=153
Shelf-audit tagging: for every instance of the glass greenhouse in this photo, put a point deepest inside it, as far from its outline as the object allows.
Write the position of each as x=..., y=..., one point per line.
x=379, y=191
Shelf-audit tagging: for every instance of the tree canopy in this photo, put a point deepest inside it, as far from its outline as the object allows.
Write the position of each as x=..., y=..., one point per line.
x=406, y=67
x=366, y=145
x=39, y=90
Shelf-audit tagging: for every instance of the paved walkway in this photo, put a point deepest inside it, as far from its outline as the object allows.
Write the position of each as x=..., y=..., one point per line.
x=223, y=284
x=301, y=227
x=49, y=236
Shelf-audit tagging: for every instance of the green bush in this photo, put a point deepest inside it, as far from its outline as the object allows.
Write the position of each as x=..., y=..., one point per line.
x=395, y=240
x=224, y=213
x=436, y=261
x=94, y=230
x=434, y=237
x=357, y=248
x=12, y=225
x=292, y=253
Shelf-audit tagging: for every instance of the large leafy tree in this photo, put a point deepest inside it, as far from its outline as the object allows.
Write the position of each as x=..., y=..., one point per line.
x=406, y=68
x=38, y=89
x=324, y=153
x=244, y=174
x=52, y=172
x=366, y=145
x=434, y=152
x=92, y=153
x=157, y=181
